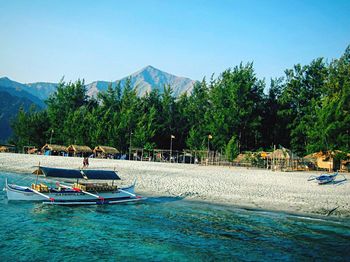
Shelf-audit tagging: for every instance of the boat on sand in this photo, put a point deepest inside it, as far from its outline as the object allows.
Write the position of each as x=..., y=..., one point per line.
x=325, y=178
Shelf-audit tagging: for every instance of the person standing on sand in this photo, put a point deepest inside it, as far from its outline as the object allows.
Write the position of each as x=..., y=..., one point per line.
x=86, y=162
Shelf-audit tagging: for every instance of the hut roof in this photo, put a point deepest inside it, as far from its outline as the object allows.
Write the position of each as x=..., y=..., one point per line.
x=4, y=149
x=53, y=147
x=282, y=154
x=79, y=149
x=106, y=149
x=32, y=150
x=240, y=158
x=310, y=156
x=325, y=154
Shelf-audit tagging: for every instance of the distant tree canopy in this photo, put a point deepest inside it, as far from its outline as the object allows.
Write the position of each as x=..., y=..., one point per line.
x=307, y=110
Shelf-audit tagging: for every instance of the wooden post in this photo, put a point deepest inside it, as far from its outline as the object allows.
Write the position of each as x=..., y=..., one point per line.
x=273, y=158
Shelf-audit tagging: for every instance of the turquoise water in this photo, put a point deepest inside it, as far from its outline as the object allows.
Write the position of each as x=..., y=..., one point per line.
x=164, y=229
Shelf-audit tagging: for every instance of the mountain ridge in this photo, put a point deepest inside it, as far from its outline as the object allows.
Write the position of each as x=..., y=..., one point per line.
x=15, y=94
x=145, y=80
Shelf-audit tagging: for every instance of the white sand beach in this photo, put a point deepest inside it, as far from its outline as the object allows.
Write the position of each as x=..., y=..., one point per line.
x=242, y=187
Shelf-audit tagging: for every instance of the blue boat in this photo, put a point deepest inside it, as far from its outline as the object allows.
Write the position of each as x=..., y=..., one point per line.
x=324, y=178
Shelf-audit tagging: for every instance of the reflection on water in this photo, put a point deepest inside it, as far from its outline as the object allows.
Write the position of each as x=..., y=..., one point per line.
x=165, y=228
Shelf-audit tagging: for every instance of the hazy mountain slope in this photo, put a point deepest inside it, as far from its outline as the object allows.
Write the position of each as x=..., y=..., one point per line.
x=9, y=106
x=150, y=77
x=19, y=90
x=145, y=80
x=41, y=89
x=98, y=86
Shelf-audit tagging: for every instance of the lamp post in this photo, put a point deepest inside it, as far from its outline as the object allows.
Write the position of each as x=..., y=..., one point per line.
x=209, y=137
x=171, y=146
x=130, y=146
x=51, y=136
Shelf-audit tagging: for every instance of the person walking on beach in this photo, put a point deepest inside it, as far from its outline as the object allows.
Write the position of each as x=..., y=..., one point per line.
x=85, y=162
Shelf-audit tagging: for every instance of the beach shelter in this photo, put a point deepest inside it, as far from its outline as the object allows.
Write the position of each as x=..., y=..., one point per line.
x=4, y=149
x=75, y=150
x=105, y=151
x=52, y=149
x=345, y=164
x=325, y=160
x=32, y=151
x=283, y=159
x=7, y=148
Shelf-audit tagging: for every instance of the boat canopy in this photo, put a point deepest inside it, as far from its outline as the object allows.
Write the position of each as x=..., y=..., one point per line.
x=61, y=172
x=101, y=174
x=79, y=174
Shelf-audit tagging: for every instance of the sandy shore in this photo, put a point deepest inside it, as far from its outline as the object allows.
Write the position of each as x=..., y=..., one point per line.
x=250, y=188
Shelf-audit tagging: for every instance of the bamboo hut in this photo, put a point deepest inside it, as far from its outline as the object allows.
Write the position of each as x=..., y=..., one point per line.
x=325, y=160
x=32, y=151
x=345, y=164
x=242, y=160
x=4, y=149
x=284, y=159
x=105, y=152
x=75, y=150
x=55, y=150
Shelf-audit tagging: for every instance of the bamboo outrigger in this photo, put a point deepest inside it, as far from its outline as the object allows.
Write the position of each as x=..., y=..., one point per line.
x=80, y=193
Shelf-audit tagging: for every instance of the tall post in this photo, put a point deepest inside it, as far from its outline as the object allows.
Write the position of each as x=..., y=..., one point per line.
x=130, y=146
x=171, y=146
x=209, y=137
x=51, y=136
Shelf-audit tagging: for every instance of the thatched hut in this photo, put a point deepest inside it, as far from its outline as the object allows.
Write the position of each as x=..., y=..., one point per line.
x=7, y=148
x=4, y=149
x=75, y=150
x=283, y=159
x=325, y=160
x=243, y=159
x=345, y=164
x=52, y=149
x=32, y=151
x=105, y=151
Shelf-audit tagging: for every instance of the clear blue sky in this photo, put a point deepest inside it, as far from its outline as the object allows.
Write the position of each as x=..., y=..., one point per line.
x=107, y=40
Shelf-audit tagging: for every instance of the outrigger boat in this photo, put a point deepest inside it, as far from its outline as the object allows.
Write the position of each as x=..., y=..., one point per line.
x=80, y=193
x=324, y=178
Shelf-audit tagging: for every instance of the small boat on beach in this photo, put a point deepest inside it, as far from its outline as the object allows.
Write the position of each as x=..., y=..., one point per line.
x=324, y=178
x=82, y=192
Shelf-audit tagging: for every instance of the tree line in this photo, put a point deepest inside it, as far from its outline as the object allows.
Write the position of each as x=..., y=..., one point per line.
x=306, y=110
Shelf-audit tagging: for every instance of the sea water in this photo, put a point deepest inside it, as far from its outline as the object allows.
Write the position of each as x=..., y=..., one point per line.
x=164, y=229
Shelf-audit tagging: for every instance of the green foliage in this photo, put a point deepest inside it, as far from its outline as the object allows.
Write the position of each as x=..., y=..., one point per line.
x=236, y=101
x=300, y=100
x=308, y=110
x=31, y=128
x=232, y=149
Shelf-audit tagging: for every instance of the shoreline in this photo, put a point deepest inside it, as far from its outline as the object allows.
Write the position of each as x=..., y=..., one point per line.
x=251, y=189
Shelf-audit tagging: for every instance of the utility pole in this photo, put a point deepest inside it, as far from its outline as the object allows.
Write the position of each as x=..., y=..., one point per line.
x=209, y=137
x=171, y=146
x=51, y=136
x=130, y=146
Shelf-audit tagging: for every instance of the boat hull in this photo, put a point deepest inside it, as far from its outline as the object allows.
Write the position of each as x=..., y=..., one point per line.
x=71, y=197
x=325, y=179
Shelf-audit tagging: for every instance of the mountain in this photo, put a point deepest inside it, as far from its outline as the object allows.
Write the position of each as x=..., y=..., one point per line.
x=9, y=106
x=145, y=80
x=41, y=89
x=98, y=86
x=13, y=95
x=19, y=90
x=149, y=78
